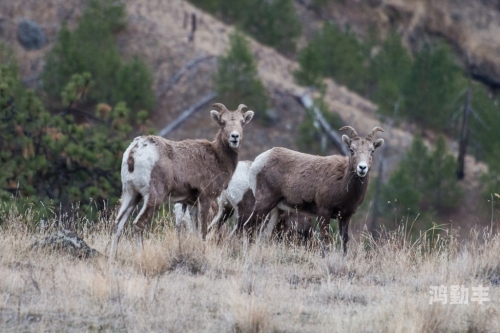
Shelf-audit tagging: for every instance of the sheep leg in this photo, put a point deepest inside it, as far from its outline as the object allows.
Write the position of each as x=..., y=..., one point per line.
x=192, y=218
x=128, y=202
x=143, y=218
x=226, y=214
x=263, y=207
x=343, y=229
x=217, y=217
x=245, y=210
x=203, y=211
x=324, y=229
x=273, y=220
x=179, y=210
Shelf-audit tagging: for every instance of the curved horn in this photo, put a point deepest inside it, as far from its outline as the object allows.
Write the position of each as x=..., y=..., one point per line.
x=375, y=129
x=221, y=106
x=241, y=107
x=354, y=134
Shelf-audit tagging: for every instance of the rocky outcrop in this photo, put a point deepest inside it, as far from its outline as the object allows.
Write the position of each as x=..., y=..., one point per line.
x=30, y=35
x=471, y=27
x=67, y=242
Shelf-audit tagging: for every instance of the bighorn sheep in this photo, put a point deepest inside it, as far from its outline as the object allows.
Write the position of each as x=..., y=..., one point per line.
x=190, y=172
x=238, y=201
x=326, y=187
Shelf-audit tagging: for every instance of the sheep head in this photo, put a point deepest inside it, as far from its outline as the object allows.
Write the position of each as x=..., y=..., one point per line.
x=231, y=123
x=361, y=149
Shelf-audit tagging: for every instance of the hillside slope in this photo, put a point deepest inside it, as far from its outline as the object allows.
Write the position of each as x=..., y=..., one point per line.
x=471, y=27
x=158, y=33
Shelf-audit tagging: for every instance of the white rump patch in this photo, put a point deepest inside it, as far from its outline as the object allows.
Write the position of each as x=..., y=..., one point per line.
x=145, y=157
x=257, y=166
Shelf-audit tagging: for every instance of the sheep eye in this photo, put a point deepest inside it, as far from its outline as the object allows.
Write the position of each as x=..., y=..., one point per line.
x=352, y=151
x=223, y=123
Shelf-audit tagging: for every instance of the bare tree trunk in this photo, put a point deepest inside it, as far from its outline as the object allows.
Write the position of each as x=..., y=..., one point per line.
x=463, y=136
x=163, y=89
x=333, y=135
x=193, y=28
x=186, y=114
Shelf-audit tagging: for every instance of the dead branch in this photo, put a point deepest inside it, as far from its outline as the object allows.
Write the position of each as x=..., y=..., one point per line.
x=334, y=136
x=166, y=87
x=186, y=114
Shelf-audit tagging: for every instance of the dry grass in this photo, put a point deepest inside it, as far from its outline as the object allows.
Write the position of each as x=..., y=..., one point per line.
x=181, y=284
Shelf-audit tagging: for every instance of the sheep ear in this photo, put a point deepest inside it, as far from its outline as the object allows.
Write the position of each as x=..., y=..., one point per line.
x=378, y=143
x=346, y=140
x=247, y=116
x=215, y=116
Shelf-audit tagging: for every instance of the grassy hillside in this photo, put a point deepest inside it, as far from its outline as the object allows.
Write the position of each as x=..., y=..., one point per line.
x=180, y=283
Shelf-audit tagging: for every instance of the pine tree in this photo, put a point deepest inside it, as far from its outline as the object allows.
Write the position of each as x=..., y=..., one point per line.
x=271, y=22
x=440, y=179
x=431, y=87
x=423, y=181
x=50, y=157
x=237, y=81
x=336, y=54
x=91, y=48
x=391, y=68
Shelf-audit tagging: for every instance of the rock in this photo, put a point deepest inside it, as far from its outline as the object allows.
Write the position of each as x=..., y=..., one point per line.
x=67, y=241
x=30, y=35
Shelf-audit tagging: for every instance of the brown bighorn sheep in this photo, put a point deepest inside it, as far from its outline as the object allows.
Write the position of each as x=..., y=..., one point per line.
x=326, y=187
x=190, y=172
x=238, y=200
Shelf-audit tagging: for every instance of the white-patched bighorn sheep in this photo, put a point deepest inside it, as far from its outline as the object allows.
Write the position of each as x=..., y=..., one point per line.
x=191, y=172
x=237, y=200
x=324, y=187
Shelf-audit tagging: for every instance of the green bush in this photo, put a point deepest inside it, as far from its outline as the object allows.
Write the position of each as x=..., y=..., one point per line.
x=390, y=67
x=337, y=54
x=426, y=87
x=432, y=86
x=483, y=134
x=91, y=48
x=442, y=190
x=236, y=79
x=134, y=81
x=50, y=157
x=272, y=22
x=424, y=180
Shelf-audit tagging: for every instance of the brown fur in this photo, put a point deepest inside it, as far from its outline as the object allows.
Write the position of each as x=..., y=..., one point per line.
x=190, y=172
x=198, y=169
x=293, y=226
x=327, y=187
